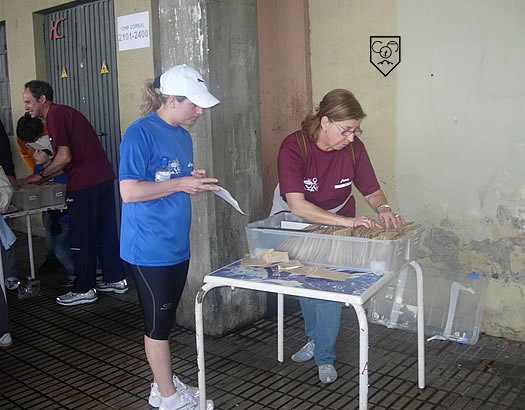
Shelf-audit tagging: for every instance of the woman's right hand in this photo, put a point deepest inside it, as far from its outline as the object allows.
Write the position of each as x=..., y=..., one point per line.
x=366, y=222
x=195, y=184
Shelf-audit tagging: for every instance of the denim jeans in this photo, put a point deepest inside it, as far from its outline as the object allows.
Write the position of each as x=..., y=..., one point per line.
x=4, y=319
x=58, y=243
x=321, y=324
x=8, y=260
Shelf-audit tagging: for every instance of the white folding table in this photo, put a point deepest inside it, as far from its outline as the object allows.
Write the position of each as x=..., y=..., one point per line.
x=355, y=291
x=27, y=215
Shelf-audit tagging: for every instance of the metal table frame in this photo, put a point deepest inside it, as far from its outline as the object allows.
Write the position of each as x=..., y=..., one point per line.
x=211, y=282
x=27, y=215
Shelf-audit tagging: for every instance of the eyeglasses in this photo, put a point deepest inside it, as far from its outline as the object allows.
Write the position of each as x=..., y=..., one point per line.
x=346, y=132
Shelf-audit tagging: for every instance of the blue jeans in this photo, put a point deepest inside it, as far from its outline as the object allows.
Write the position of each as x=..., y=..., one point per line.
x=8, y=260
x=321, y=324
x=57, y=240
x=4, y=318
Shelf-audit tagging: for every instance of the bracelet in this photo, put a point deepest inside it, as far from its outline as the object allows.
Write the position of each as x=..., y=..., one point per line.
x=336, y=220
x=41, y=173
x=383, y=206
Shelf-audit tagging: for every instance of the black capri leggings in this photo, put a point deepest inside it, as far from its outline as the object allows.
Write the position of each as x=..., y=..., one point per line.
x=159, y=289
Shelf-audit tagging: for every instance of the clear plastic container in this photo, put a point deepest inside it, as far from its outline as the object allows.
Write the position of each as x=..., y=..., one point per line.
x=453, y=304
x=369, y=255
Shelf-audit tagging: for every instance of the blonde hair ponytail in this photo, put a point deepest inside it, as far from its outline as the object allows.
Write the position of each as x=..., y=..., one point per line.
x=151, y=98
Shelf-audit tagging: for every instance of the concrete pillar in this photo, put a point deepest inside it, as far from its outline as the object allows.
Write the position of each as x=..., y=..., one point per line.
x=285, y=80
x=219, y=38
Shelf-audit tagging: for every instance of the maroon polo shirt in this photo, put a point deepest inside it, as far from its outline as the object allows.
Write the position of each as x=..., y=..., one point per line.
x=326, y=177
x=89, y=165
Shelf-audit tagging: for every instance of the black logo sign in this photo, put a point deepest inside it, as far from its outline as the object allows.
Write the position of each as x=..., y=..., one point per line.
x=385, y=52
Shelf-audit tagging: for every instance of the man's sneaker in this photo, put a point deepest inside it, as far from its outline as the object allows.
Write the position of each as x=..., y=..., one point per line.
x=182, y=401
x=155, y=397
x=305, y=354
x=49, y=265
x=6, y=340
x=327, y=373
x=116, y=287
x=72, y=298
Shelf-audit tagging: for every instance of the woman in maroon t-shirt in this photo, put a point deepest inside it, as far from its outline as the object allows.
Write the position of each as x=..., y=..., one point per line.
x=317, y=168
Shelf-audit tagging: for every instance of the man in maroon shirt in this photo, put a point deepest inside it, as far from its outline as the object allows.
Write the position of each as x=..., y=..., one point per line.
x=90, y=194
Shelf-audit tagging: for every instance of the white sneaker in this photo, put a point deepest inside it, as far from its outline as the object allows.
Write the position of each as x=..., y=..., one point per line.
x=116, y=287
x=72, y=298
x=327, y=373
x=155, y=397
x=6, y=340
x=182, y=401
x=305, y=354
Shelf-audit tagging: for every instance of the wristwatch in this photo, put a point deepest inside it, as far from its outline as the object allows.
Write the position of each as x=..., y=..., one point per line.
x=383, y=206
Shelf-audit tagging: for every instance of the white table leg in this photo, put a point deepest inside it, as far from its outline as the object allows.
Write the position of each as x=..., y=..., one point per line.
x=363, y=356
x=30, y=246
x=280, y=327
x=398, y=297
x=420, y=325
x=199, y=334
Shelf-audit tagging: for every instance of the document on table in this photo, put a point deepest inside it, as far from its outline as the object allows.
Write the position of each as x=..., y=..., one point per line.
x=224, y=194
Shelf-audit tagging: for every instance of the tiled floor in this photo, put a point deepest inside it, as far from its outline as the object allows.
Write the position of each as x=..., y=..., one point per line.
x=91, y=357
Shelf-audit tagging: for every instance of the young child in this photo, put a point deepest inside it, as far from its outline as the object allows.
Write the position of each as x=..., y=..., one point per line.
x=28, y=130
x=56, y=223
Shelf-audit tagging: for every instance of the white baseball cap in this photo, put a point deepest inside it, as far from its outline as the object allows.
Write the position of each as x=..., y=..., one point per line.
x=42, y=143
x=184, y=81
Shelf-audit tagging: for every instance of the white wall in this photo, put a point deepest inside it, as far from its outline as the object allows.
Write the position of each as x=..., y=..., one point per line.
x=461, y=101
x=461, y=142
x=444, y=129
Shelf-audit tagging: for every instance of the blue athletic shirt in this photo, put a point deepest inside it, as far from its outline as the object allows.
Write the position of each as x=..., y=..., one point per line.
x=156, y=232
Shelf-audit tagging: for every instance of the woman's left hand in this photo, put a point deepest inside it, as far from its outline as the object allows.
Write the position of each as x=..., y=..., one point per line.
x=198, y=173
x=388, y=219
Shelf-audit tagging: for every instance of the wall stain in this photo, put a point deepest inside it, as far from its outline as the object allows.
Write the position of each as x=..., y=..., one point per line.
x=501, y=258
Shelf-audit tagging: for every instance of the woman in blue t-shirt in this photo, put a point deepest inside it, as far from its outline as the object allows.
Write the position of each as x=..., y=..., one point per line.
x=156, y=215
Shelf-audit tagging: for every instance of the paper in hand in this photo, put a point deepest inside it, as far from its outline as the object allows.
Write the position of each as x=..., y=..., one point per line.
x=224, y=194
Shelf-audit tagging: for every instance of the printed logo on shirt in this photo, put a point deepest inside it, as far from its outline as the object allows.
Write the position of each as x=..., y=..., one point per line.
x=343, y=183
x=311, y=185
x=175, y=167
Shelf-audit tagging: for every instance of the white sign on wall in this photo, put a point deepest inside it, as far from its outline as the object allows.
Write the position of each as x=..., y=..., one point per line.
x=133, y=31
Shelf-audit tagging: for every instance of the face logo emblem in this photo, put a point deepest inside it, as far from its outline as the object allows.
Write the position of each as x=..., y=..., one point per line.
x=385, y=53
x=311, y=185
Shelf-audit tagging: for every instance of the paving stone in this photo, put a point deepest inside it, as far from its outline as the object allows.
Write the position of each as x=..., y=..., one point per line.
x=92, y=357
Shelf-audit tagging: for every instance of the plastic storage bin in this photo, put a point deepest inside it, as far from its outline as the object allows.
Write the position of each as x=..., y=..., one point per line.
x=343, y=252
x=453, y=304
x=26, y=198
x=52, y=193
x=30, y=197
